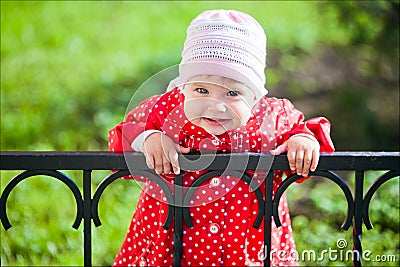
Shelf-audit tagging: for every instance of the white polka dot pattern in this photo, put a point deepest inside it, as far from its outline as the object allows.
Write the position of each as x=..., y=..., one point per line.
x=223, y=210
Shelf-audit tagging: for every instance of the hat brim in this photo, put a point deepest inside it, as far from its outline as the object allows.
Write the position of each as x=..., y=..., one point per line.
x=189, y=70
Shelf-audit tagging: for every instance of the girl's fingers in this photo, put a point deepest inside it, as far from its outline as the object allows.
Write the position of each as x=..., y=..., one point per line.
x=315, y=160
x=308, y=158
x=183, y=149
x=166, y=165
x=149, y=161
x=291, y=156
x=158, y=164
x=173, y=157
x=280, y=149
x=299, y=162
x=302, y=154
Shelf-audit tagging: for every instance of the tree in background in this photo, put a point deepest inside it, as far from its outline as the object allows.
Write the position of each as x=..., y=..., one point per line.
x=65, y=78
x=354, y=81
x=69, y=69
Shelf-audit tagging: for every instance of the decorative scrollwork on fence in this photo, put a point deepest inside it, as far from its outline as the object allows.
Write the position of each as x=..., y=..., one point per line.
x=326, y=174
x=178, y=198
x=371, y=191
x=27, y=174
x=150, y=175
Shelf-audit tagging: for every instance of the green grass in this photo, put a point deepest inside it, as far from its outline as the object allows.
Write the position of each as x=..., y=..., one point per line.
x=69, y=69
x=42, y=211
x=317, y=220
x=68, y=72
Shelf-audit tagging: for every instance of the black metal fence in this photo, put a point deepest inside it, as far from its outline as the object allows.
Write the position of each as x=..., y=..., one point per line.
x=50, y=164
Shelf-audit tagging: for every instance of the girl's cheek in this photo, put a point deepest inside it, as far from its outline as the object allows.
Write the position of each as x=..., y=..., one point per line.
x=192, y=108
x=245, y=114
x=242, y=109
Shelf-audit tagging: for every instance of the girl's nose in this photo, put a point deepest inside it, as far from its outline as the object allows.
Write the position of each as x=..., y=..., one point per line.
x=217, y=106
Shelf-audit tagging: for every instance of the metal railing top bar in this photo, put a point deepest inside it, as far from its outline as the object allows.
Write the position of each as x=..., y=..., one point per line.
x=50, y=163
x=74, y=160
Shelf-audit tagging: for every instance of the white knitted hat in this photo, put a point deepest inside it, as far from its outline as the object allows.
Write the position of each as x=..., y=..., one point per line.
x=226, y=43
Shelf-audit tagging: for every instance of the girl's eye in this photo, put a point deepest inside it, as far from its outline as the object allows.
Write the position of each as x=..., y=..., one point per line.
x=233, y=93
x=201, y=90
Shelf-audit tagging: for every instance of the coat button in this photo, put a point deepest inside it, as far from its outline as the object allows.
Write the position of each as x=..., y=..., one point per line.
x=142, y=263
x=214, y=228
x=215, y=181
x=215, y=142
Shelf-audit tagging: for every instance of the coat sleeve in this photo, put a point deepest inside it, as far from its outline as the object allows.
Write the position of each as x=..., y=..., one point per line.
x=147, y=116
x=290, y=121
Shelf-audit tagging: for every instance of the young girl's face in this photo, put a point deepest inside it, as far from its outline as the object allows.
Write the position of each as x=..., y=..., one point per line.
x=217, y=104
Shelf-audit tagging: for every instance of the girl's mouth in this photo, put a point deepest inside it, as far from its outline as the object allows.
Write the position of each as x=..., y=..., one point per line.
x=215, y=122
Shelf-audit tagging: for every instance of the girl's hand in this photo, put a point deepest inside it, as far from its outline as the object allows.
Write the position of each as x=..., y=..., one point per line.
x=302, y=153
x=162, y=153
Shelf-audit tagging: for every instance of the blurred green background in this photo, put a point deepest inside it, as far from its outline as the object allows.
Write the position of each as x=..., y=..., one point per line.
x=69, y=70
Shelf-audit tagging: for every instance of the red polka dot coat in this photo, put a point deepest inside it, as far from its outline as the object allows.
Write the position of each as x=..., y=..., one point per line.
x=223, y=209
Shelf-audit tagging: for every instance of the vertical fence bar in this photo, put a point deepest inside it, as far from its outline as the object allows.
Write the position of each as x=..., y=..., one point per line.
x=358, y=217
x=87, y=162
x=178, y=227
x=87, y=218
x=267, y=218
